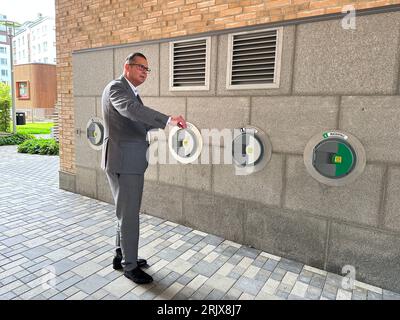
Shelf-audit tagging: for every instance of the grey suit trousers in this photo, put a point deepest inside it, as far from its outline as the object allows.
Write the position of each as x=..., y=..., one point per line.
x=127, y=190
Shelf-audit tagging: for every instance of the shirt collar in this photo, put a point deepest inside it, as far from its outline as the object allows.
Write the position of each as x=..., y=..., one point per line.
x=134, y=89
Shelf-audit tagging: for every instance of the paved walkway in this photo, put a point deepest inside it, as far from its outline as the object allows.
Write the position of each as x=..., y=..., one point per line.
x=59, y=245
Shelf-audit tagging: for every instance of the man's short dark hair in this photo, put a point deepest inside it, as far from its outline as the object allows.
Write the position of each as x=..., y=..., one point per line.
x=131, y=58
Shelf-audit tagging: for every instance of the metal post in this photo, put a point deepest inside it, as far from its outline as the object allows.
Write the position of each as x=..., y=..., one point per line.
x=14, y=114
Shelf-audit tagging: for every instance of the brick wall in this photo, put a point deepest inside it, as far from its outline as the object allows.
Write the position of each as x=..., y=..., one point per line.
x=97, y=23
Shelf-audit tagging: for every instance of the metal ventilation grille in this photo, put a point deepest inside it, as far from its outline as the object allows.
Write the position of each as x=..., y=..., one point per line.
x=189, y=63
x=253, y=58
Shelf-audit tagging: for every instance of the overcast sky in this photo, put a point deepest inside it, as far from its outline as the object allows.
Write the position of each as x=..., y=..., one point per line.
x=23, y=10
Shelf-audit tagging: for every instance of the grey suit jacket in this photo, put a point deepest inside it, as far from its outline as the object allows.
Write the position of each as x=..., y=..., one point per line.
x=126, y=122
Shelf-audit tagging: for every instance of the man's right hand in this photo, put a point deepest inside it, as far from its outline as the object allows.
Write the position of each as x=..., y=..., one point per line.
x=178, y=121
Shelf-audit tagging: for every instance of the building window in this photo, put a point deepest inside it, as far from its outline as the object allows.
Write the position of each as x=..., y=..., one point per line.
x=3, y=50
x=23, y=90
x=4, y=73
x=3, y=61
x=44, y=46
x=3, y=38
x=190, y=64
x=254, y=59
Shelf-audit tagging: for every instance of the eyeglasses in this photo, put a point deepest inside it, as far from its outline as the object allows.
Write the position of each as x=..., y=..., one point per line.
x=141, y=67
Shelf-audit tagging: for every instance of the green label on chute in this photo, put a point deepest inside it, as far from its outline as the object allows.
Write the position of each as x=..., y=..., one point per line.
x=343, y=159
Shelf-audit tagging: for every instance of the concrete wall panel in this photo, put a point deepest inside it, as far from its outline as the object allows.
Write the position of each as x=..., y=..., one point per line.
x=264, y=186
x=375, y=121
x=92, y=71
x=333, y=60
x=216, y=215
x=358, y=202
x=86, y=182
x=290, y=122
x=392, y=206
x=163, y=201
x=285, y=233
x=373, y=254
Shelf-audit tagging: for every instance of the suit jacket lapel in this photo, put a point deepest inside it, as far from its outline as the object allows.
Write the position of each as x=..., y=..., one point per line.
x=128, y=87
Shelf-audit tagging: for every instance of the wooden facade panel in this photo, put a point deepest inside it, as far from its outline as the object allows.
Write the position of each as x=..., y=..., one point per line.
x=42, y=85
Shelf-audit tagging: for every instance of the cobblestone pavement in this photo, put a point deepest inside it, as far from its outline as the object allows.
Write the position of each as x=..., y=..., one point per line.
x=59, y=245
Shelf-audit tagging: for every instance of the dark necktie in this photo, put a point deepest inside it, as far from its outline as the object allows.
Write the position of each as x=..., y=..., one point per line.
x=140, y=100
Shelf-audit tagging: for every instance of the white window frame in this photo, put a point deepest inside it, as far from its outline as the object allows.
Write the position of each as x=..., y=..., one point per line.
x=278, y=57
x=206, y=87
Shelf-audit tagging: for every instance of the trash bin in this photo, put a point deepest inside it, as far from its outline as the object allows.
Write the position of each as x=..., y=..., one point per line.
x=21, y=120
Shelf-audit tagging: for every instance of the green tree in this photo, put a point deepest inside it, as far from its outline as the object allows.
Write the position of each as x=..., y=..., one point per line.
x=5, y=106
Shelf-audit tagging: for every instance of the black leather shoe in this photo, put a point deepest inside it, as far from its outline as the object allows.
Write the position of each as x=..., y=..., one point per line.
x=117, y=265
x=138, y=276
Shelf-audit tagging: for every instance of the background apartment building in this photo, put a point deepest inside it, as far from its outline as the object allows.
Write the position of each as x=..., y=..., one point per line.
x=34, y=56
x=35, y=42
x=5, y=65
x=295, y=70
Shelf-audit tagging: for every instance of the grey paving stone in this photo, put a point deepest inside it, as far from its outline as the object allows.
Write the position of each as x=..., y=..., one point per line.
x=91, y=284
x=182, y=230
x=214, y=240
x=230, y=251
x=388, y=295
x=313, y=293
x=8, y=296
x=168, y=254
x=169, y=279
x=262, y=275
x=205, y=268
x=357, y=295
x=248, y=252
x=184, y=280
x=150, y=294
x=248, y=285
x=234, y=275
x=68, y=283
x=185, y=247
x=235, y=259
x=195, y=239
x=278, y=274
x=282, y=294
x=130, y=296
x=8, y=280
x=232, y=294
x=14, y=240
x=259, y=262
x=202, y=293
x=270, y=265
x=59, y=296
x=290, y=265
x=373, y=296
x=184, y=294
x=64, y=265
x=215, y=295
x=317, y=281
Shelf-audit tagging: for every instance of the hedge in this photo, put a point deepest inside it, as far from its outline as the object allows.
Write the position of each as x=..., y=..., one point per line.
x=39, y=146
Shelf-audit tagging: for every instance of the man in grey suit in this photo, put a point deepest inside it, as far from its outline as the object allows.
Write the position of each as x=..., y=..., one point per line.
x=126, y=123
